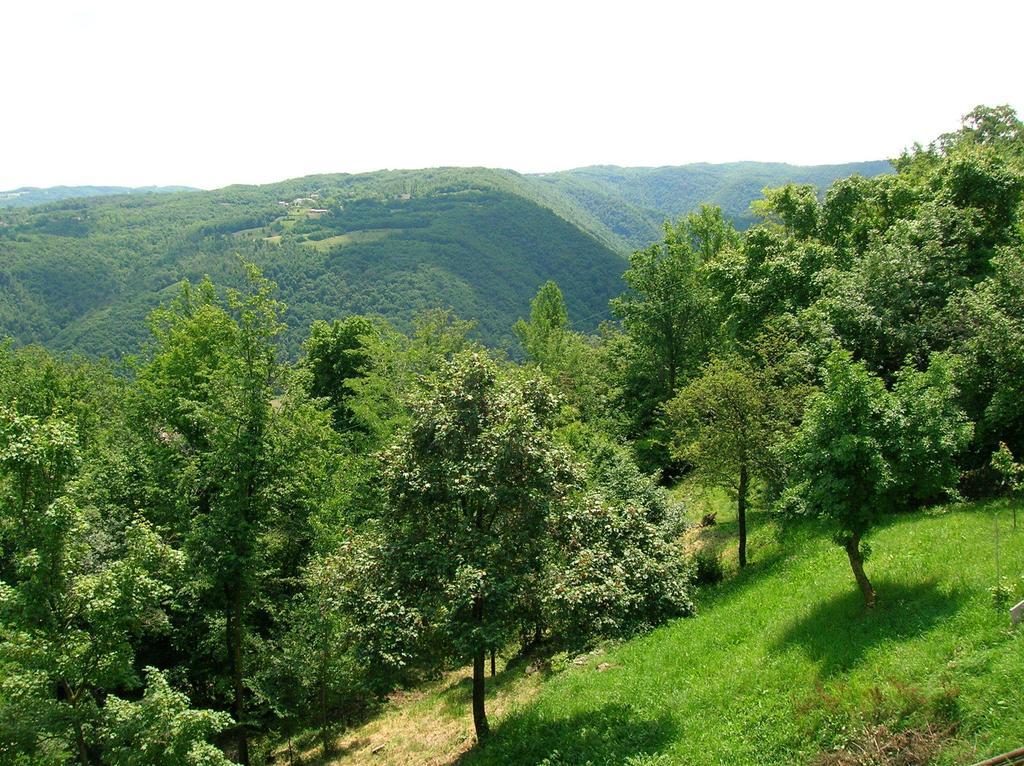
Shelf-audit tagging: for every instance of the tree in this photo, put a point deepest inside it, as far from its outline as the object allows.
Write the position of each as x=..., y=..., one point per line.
x=615, y=563
x=726, y=423
x=470, y=484
x=543, y=336
x=249, y=451
x=336, y=354
x=161, y=729
x=667, y=310
x=863, y=451
x=77, y=591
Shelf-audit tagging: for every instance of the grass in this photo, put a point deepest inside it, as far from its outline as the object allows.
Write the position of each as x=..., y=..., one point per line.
x=781, y=664
x=428, y=726
x=351, y=238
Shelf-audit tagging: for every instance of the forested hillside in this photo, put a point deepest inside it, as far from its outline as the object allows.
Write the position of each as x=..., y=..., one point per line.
x=634, y=202
x=260, y=534
x=27, y=196
x=81, y=275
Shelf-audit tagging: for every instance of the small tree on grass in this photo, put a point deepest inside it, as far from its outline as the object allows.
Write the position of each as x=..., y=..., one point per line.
x=863, y=451
x=726, y=422
x=469, y=486
x=1008, y=472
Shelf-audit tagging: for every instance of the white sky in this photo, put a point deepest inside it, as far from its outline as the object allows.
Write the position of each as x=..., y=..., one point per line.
x=211, y=93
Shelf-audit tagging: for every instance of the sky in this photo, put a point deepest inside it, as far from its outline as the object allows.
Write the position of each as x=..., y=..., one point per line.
x=212, y=93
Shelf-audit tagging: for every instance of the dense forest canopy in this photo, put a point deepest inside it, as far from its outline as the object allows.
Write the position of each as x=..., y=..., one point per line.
x=263, y=524
x=82, y=274
x=27, y=196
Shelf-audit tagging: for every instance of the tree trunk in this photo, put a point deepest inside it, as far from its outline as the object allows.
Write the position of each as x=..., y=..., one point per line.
x=83, y=748
x=741, y=514
x=479, y=660
x=493, y=673
x=857, y=564
x=235, y=639
x=325, y=740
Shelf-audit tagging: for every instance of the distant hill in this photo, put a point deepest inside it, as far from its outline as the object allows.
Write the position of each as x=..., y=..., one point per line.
x=80, y=274
x=632, y=203
x=28, y=196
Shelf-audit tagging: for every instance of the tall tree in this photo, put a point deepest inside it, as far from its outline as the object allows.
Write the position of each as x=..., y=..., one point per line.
x=863, y=451
x=247, y=449
x=543, y=336
x=470, y=483
x=667, y=310
x=727, y=423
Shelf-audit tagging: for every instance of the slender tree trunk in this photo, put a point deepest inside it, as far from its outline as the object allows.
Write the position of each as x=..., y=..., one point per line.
x=325, y=740
x=741, y=513
x=83, y=748
x=236, y=637
x=493, y=673
x=479, y=660
x=857, y=564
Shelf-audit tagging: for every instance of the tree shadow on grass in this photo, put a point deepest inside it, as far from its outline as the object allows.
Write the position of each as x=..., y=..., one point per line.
x=458, y=695
x=612, y=735
x=838, y=633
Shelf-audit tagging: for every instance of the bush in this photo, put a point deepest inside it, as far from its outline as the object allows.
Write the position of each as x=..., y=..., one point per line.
x=616, y=566
x=708, y=568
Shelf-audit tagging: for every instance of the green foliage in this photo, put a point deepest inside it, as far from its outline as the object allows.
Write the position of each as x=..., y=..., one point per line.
x=707, y=567
x=729, y=423
x=335, y=355
x=77, y=591
x=615, y=565
x=470, y=485
x=543, y=337
x=863, y=451
x=160, y=729
x=250, y=455
x=1008, y=471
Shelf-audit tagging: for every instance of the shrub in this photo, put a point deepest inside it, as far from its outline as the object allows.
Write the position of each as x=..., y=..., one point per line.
x=708, y=568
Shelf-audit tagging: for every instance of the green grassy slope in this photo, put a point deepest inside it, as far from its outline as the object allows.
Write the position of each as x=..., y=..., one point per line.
x=632, y=203
x=782, y=663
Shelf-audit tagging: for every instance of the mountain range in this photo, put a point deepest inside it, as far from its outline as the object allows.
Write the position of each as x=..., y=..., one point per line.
x=81, y=273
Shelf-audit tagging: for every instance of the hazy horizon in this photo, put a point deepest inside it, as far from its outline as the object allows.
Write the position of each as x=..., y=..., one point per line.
x=209, y=95
x=435, y=167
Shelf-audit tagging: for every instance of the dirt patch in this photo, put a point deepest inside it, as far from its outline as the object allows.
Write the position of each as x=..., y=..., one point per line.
x=879, y=746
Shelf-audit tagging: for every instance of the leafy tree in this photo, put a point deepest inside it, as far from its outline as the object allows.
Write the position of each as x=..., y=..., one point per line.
x=727, y=423
x=1009, y=472
x=615, y=565
x=667, y=310
x=75, y=594
x=542, y=337
x=470, y=484
x=251, y=455
x=161, y=729
x=991, y=341
x=336, y=354
x=863, y=451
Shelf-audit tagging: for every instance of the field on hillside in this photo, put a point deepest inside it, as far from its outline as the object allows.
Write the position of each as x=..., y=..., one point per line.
x=781, y=665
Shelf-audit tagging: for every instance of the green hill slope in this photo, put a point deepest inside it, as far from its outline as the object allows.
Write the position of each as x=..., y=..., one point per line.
x=781, y=665
x=27, y=196
x=81, y=275
x=632, y=203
